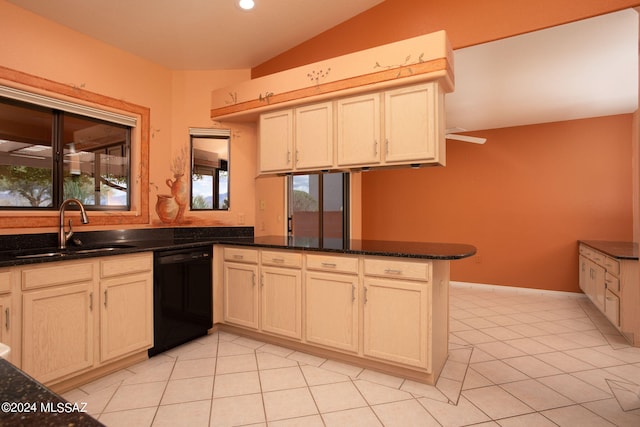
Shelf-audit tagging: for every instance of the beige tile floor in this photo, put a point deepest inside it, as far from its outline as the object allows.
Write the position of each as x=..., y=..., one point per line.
x=516, y=358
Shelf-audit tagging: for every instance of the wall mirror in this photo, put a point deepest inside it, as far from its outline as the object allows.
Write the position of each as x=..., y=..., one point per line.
x=209, y=169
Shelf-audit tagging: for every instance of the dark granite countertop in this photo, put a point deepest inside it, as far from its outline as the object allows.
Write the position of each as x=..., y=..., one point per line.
x=17, y=250
x=26, y=402
x=424, y=250
x=619, y=250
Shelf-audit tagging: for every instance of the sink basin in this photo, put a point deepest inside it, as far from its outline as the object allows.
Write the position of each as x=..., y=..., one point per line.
x=77, y=250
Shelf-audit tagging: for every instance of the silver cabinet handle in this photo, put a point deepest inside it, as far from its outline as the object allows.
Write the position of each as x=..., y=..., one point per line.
x=297, y=156
x=105, y=298
x=288, y=156
x=238, y=257
x=253, y=279
x=365, y=294
x=386, y=146
x=353, y=293
x=262, y=280
x=375, y=147
x=392, y=271
x=329, y=264
x=91, y=301
x=7, y=317
x=278, y=260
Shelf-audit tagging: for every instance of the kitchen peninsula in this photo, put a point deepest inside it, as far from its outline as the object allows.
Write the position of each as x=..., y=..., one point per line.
x=378, y=304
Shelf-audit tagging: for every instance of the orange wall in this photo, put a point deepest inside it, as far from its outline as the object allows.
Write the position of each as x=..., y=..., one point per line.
x=519, y=198
x=177, y=100
x=467, y=22
x=523, y=199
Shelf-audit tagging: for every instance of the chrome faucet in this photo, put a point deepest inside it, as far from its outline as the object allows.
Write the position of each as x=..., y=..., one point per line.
x=63, y=236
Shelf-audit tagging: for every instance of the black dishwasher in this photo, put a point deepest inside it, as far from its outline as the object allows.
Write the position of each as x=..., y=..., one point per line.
x=182, y=296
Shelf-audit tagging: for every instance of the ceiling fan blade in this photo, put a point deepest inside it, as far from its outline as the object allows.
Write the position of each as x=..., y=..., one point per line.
x=466, y=138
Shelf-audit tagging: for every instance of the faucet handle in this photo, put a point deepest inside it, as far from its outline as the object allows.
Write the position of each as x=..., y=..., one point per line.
x=68, y=234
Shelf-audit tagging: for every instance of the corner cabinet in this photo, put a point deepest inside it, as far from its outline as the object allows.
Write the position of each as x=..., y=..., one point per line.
x=7, y=312
x=403, y=126
x=79, y=315
x=611, y=284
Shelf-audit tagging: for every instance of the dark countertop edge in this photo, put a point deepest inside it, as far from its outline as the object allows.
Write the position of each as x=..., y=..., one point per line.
x=433, y=255
x=158, y=245
x=615, y=249
x=17, y=387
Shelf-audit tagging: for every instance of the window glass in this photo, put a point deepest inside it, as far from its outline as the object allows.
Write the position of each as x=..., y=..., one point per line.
x=95, y=164
x=209, y=172
x=47, y=156
x=26, y=165
x=317, y=206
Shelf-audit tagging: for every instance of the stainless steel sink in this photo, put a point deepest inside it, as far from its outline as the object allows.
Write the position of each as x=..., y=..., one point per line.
x=59, y=253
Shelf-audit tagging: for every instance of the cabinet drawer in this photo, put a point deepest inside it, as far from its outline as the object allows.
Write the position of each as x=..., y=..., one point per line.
x=57, y=273
x=414, y=270
x=340, y=264
x=612, y=308
x=126, y=264
x=5, y=282
x=282, y=258
x=612, y=265
x=241, y=255
x=612, y=282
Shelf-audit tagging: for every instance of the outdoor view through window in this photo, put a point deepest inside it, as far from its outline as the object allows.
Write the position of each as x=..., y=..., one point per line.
x=47, y=156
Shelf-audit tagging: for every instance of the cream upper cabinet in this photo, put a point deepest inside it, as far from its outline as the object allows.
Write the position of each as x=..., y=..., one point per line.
x=276, y=141
x=402, y=126
x=411, y=124
x=358, y=130
x=314, y=136
x=126, y=305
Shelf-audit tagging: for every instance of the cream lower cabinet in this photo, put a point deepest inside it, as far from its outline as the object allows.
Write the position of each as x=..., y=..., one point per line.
x=612, y=286
x=58, y=331
x=79, y=315
x=331, y=301
x=281, y=293
x=7, y=319
x=126, y=305
x=240, y=287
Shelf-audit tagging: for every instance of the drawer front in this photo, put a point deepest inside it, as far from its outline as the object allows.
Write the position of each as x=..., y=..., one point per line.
x=282, y=259
x=241, y=255
x=5, y=282
x=612, y=282
x=126, y=264
x=612, y=265
x=586, y=251
x=612, y=308
x=597, y=257
x=413, y=270
x=57, y=273
x=340, y=264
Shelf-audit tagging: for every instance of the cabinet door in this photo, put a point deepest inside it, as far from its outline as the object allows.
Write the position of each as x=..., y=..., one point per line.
x=395, y=321
x=358, y=138
x=126, y=315
x=58, y=331
x=597, y=285
x=281, y=301
x=411, y=134
x=314, y=136
x=6, y=322
x=241, y=294
x=276, y=141
x=583, y=273
x=331, y=307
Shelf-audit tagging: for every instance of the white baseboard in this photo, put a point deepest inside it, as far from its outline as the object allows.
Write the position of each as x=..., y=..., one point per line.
x=516, y=290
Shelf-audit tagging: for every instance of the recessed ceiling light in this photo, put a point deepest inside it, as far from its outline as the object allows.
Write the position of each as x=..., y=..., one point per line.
x=246, y=4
